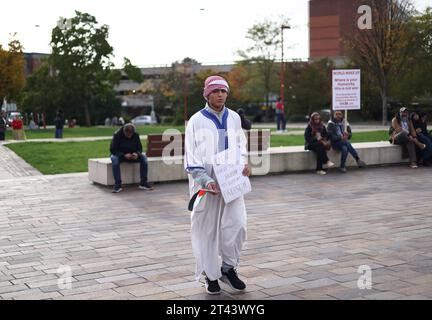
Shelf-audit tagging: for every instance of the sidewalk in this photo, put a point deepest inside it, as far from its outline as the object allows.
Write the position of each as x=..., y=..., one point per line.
x=307, y=238
x=13, y=166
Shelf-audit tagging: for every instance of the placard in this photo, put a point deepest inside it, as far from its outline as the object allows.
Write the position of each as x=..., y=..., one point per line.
x=346, y=89
x=228, y=169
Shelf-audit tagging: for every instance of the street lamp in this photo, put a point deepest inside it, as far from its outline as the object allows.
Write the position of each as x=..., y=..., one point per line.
x=186, y=71
x=282, y=72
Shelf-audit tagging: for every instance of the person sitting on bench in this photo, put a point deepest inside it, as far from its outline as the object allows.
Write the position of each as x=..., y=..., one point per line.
x=340, y=135
x=126, y=147
x=402, y=133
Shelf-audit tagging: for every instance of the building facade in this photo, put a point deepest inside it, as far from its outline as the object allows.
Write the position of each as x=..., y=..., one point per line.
x=33, y=61
x=331, y=24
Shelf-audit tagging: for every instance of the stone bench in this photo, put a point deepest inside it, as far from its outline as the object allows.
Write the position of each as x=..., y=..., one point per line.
x=286, y=159
x=275, y=160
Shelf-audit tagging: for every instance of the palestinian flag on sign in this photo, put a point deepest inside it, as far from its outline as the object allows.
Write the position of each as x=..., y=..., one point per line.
x=196, y=199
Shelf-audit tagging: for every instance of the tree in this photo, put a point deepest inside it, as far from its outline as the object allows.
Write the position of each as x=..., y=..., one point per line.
x=12, y=78
x=247, y=83
x=78, y=77
x=383, y=50
x=133, y=72
x=308, y=86
x=238, y=77
x=41, y=93
x=81, y=59
x=177, y=85
x=417, y=73
x=266, y=40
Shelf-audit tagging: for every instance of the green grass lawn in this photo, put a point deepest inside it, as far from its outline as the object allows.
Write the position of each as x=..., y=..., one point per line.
x=69, y=157
x=100, y=131
x=62, y=157
x=286, y=141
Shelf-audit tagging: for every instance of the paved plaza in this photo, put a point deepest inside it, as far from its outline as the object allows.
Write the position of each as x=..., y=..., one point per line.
x=307, y=237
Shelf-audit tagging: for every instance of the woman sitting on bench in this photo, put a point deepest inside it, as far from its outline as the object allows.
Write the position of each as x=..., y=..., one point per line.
x=316, y=141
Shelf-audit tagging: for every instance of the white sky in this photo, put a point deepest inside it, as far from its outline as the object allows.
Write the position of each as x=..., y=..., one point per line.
x=160, y=32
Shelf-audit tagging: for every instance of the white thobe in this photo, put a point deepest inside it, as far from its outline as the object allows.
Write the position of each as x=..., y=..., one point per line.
x=217, y=228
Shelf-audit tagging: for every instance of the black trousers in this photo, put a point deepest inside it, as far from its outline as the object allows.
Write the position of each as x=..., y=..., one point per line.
x=320, y=152
x=2, y=135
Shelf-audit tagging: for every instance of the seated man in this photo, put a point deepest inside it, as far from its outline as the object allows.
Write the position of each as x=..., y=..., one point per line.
x=420, y=127
x=402, y=133
x=339, y=137
x=126, y=146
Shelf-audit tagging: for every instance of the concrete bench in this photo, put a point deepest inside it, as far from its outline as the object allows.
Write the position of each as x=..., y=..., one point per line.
x=100, y=171
x=286, y=159
x=274, y=160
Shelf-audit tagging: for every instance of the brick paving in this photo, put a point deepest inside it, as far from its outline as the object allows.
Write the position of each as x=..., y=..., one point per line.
x=12, y=166
x=307, y=237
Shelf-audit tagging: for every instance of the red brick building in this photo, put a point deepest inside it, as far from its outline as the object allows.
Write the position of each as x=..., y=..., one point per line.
x=330, y=23
x=33, y=61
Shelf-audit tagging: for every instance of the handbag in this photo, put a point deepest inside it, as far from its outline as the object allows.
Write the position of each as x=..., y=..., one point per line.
x=326, y=144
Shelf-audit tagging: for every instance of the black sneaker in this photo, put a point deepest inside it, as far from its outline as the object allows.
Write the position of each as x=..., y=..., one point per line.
x=231, y=279
x=361, y=163
x=212, y=287
x=117, y=189
x=145, y=186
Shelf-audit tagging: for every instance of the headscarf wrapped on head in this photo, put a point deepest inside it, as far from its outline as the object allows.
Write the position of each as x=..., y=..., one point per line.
x=214, y=83
x=315, y=127
x=402, y=110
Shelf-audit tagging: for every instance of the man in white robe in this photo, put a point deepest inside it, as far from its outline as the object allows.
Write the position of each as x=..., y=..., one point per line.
x=217, y=228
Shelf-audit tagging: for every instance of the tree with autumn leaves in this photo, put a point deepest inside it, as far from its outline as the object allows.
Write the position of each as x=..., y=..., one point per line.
x=395, y=57
x=259, y=59
x=12, y=78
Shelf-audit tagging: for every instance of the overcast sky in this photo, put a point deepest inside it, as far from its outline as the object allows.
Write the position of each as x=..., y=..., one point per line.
x=160, y=32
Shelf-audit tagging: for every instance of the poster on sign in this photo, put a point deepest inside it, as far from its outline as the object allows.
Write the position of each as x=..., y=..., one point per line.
x=228, y=168
x=346, y=89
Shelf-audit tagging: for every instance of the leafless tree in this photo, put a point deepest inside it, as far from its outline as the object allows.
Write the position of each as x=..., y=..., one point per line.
x=382, y=50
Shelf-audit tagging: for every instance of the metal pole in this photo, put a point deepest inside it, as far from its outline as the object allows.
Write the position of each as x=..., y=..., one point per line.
x=282, y=72
x=346, y=120
x=185, y=91
x=282, y=84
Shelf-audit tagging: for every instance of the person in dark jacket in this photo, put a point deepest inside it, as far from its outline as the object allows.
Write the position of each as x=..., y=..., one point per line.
x=340, y=135
x=126, y=147
x=59, y=121
x=424, y=118
x=424, y=137
x=3, y=125
x=316, y=141
x=419, y=121
x=245, y=123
